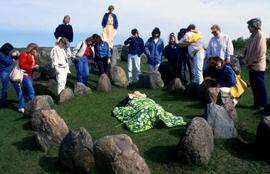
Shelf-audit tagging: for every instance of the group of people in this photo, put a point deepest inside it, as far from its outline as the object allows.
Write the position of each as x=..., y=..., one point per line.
x=189, y=52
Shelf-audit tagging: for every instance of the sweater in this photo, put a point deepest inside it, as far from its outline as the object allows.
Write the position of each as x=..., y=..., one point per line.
x=105, y=19
x=6, y=62
x=172, y=53
x=226, y=76
x=64, y=30
x=26, y=62
x=79, y=50
x=154, y=51
x=255, y=51
x=136, y=45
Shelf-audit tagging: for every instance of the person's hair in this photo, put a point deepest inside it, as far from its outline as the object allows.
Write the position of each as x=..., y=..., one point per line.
x=255, y=23
x=67, y=16
x=215, y=27
x=61, y=39
x=134, y=31
x=97, y=38
x=6, y=48
x=191, y=27
x=89, y=39
x=218, y=59
x=30, y=47
x=171, y=36
x=111, y=7
x=181, y=33
x=156, y=31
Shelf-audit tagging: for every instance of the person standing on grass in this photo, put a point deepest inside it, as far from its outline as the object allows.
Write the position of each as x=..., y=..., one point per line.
x=135, y=50
x=102, y=54
x=255, y=57
x=60, y=55
x=64, y=30
x=28, y=63
x=7, y=56
x=81, y=54
x=220, y=45
x=154, y=50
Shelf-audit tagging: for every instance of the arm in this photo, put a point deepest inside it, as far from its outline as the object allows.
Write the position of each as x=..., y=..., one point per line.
x=54, y=57
x=127, y=42
x=5, y=60
x=146, y=48
x=71, y=34
x=115, y=21
x=23, y=63
x=141, y=46
x=57, y=31
x=104, y=20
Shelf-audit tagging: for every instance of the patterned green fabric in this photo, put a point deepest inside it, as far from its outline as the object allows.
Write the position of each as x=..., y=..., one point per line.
x=142, y=113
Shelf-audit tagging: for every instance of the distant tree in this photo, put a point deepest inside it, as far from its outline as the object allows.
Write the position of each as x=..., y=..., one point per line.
x=239, y=43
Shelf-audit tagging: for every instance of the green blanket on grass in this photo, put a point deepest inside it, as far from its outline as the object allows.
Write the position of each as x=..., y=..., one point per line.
x=142, y=113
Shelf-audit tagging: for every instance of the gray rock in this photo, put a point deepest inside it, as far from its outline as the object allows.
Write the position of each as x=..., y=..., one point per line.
x=124, y=53
x=115, y=56
x=118, y=77
x=176, y=85
x=66, y=95
x=38, y=103
x=151, y=80
x=224, y=99
x=49, y=128
x=76, y=151
x=104, y=84
x=212, y=95
x=220, y=121
x=81, y=89
x=235, y=64
x=197, y=143
x=263, y=137
x=117, y=154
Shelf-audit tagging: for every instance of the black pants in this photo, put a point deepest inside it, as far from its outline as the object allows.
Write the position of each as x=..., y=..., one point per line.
x=102, y=65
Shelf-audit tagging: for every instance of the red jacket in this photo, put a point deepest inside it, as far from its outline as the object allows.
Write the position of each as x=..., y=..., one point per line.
x=26, y=62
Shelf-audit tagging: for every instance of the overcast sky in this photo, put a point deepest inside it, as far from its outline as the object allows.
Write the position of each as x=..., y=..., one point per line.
x=24, y=21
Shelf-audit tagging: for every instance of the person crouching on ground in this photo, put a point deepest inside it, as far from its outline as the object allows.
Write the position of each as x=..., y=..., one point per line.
x=81, y=54
x=135, y=50
x=60, y=55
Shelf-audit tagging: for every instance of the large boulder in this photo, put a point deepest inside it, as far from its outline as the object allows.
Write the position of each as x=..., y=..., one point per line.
x=81, y=89
x=76, y=151
x=191, y=90
x=65, y=95
x=115, y=56
x=197, y=143
x=49, y=128
x=150, y=80
x=124, y=53
x=263, y=137
x=222, y=124
x=224, y=99
x=47, y=72
x=167, y=72
x=235, y=64
x=176, y=85
x=212, y=95
x=203, y=90
x=37, y=103
x=104, y=84
x=118, y=154
x=118, y=76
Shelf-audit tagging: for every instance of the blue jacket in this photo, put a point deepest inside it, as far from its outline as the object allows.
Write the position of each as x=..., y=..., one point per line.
x=64, y=31
x=6, y=62
x=154, y=51
x=172, y=53
x=102, y=50
x=136, y=45
x=226, y=76
x=105, y=20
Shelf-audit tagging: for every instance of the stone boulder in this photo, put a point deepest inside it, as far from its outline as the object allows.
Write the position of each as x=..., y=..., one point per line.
x=47, y=72
x=65, y=95
x=115, y=56
x=118, y=77
x=222, y=124
x=81, y=89
x=263, y=137
x=176, y=85
x=124, y=53
x=104, y=84
x=150, y=80
x=76, y=151
x=49, y=128
x=191, y=90
x=203, y=90
x=38, y=103
x=224, y=99
x=197, y=143
x=167, y=72
x=212, y=95
x=235, y=64
x=118, y=154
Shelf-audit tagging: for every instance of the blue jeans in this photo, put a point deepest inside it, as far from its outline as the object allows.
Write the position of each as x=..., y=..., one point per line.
x=28, y=89
x=82, y=69
x=4, y=94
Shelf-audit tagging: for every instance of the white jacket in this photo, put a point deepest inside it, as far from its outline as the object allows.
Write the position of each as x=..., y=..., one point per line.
x=60, y=57
x=79, y=49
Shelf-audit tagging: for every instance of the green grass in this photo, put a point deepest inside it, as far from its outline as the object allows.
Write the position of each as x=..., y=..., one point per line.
x=19, y=154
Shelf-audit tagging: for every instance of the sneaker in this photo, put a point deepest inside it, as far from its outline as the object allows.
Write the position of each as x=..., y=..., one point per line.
x=21, y=110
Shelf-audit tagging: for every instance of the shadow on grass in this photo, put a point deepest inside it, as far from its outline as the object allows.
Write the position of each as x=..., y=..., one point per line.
x=51, y=165
x=26, y=144
x=162, y=154
x=44, y=89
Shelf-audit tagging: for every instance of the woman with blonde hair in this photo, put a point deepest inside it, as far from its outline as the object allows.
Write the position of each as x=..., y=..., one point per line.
x=28, y=63
x=60, y=55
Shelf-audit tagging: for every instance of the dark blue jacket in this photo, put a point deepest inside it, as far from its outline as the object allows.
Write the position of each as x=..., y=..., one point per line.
x=64, y=31
x=136, y=45
x=105, y=20
x=172, y=53
x=6, y=62
x=102, y=50
x=154, y=51
x=226, y=76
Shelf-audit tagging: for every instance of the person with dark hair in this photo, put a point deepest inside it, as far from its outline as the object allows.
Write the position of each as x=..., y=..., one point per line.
x=255, y=57
x=135, y=50
x=102, y=54
x=82, y=52
x=154, y=50
x=28, y=63
x=7, y=57
x=110, y=25
x=64, y=29
x=172, y=53
x=60, y=55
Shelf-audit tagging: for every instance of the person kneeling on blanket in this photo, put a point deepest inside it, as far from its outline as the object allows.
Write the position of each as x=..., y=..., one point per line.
x=140, y=113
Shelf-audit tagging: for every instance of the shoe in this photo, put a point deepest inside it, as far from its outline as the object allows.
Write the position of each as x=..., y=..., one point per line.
x=21, y=110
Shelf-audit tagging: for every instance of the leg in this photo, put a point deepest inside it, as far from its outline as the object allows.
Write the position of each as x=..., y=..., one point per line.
x=79, y=68
x=85, y=70
x=29, y=92
x=137, y=63
x=105, y=65
x=130, y=57
x=261, y=92
x=5, y=80
x=61, y=80
x=190, y=65
x=100, y=66
x=19, y=93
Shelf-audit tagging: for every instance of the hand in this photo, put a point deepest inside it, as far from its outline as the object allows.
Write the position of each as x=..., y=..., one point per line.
x=109, y=61
x=15, y=53
x=36, y=66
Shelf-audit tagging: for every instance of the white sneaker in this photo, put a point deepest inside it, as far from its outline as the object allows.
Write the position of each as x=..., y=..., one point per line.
x=21, y=110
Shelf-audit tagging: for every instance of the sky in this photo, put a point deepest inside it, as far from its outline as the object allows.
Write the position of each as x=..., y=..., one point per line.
x=25, y=21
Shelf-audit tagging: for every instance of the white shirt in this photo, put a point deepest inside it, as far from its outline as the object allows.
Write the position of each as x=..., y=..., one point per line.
x=60, y=57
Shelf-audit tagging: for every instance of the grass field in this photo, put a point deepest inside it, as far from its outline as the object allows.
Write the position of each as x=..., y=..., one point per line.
x=19, y=154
